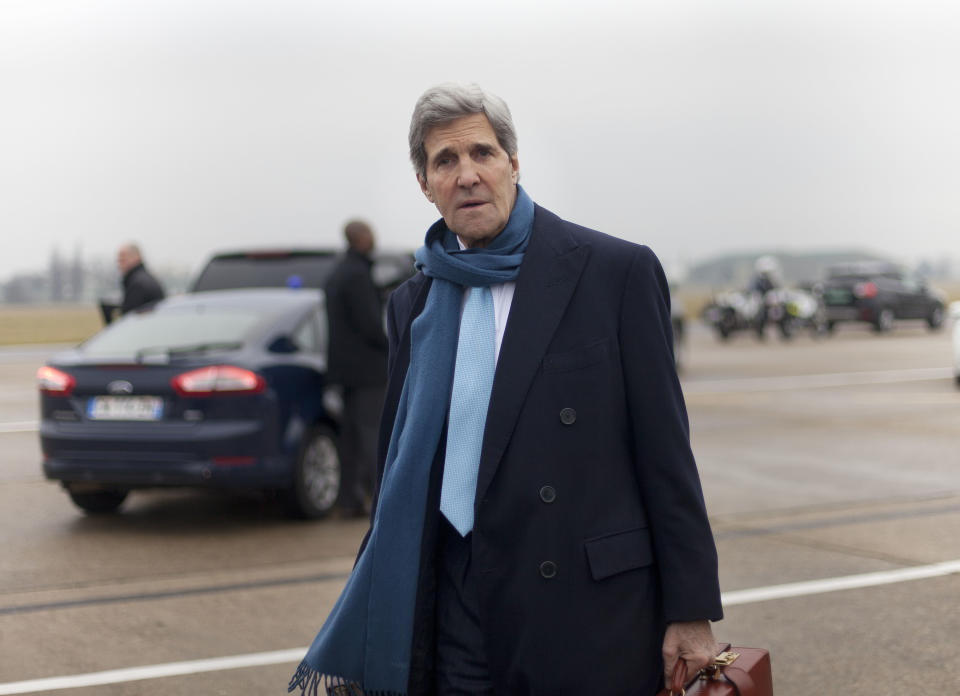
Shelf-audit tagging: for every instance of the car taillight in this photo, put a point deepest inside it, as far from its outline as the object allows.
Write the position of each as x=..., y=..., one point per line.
x=218, y=379
x=865, y=290
x=55, y=382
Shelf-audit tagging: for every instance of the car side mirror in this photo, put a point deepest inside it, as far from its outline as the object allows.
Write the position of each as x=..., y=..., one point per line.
x=283, y=344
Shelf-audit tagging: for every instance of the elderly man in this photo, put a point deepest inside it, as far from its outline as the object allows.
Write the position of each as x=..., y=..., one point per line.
x=539, y=526
x=139, y=286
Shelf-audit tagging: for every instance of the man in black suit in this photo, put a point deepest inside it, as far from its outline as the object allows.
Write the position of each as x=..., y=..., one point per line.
x=357, y=363
x=534, y=463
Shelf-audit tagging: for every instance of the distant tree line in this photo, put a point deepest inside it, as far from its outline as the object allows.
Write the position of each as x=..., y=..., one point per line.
x=735, y=270
x=76, y=280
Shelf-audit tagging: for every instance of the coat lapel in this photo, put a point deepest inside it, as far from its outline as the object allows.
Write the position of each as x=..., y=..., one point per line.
x=549, y=273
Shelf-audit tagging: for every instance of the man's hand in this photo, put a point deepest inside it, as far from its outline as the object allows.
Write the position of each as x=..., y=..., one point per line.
x=691, y=641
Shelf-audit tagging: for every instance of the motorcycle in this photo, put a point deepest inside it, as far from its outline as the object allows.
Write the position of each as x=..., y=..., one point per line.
x=729, y=312
x=789, y=309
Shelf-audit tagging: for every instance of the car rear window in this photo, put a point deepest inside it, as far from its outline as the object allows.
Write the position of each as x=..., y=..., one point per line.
x=153, y=331
x=266, y=271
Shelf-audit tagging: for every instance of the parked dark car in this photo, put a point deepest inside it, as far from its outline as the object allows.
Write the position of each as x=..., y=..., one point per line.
x=217, y=389
x=879, y=294
x=308, y=268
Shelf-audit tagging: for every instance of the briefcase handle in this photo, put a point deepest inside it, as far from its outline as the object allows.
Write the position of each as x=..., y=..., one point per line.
x=716, y=670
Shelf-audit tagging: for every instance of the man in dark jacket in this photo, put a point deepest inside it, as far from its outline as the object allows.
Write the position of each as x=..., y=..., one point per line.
x=358, y=364
x=539, y=526
x=139, y=286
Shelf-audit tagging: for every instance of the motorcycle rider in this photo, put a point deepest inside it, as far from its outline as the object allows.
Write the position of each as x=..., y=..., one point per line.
x=766, y=278
x=766, y=275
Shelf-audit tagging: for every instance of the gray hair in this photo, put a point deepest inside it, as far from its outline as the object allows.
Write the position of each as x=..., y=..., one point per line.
x=132, y=248
x=449, y=101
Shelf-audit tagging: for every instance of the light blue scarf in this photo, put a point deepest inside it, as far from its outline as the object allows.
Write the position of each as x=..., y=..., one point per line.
x=365, y=643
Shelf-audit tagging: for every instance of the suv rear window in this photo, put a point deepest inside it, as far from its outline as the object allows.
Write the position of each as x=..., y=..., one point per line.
x=853, y=272
x=266, y=270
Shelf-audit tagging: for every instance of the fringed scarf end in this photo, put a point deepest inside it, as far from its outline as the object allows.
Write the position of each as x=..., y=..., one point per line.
x=306, y=679
x=310, y=681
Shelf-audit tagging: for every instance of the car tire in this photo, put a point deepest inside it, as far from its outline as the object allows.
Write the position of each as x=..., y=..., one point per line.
x=884, y=321
x=935, y=319
x=98, y=502
x=316, y=475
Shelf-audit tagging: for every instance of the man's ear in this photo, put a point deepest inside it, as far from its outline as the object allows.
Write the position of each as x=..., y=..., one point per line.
x=515, y=166
x=424, y=188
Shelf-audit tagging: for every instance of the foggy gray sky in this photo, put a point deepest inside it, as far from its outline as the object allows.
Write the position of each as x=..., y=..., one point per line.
x=694, y=127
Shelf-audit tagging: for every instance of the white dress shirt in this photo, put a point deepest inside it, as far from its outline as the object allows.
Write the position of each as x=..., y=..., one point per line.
x=502, y=301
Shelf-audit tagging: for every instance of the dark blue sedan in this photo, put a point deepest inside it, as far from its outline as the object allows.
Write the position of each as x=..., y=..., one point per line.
x=217, y=389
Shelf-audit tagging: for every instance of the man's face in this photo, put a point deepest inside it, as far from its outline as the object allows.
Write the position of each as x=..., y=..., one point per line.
x=470, y=178
x=364, y=242
x=126, y=259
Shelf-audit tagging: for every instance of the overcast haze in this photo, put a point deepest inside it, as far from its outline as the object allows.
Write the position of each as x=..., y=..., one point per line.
x=694, y=127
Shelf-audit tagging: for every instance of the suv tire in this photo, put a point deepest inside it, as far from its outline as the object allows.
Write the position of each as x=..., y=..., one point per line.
x=884, y=321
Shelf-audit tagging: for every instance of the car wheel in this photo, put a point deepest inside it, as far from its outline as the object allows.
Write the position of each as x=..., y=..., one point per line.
x=316, y=475
x=98, y=502
x=935, y=320
x=884, y=320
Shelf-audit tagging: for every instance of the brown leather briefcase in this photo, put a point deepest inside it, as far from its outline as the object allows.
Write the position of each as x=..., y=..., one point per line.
x=735, y=672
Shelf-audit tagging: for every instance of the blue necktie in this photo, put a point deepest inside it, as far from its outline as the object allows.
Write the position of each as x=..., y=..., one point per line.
x=472, y=383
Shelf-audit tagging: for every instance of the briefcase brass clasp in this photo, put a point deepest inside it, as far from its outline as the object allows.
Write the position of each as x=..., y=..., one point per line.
x=724, y=659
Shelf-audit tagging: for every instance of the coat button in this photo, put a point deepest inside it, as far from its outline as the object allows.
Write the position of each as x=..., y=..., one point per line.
x=568, y=416
x=548, y=494
x=548, y=569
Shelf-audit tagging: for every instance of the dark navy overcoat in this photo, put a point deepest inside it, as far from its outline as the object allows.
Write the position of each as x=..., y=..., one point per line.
x=590, y=527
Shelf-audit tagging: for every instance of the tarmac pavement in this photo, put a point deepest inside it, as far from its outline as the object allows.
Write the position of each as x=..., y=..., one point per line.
x=819, y=459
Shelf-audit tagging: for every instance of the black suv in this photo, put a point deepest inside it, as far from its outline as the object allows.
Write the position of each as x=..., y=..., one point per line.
x=878, y=293
x=308, y=268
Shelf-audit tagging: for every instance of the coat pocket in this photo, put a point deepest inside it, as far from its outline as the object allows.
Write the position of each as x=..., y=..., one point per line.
x=590, y=354
x=617, y=553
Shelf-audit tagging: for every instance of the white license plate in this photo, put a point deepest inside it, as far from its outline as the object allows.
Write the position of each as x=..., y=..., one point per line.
x=125, y=408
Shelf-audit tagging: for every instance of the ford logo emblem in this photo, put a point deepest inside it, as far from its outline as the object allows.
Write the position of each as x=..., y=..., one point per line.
x=120, y=386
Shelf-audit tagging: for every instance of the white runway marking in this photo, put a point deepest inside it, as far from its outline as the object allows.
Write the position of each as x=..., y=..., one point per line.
x=848, y=582
x=294, y=655
x=171, y=669
x=832, y=379
x=19, y=427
